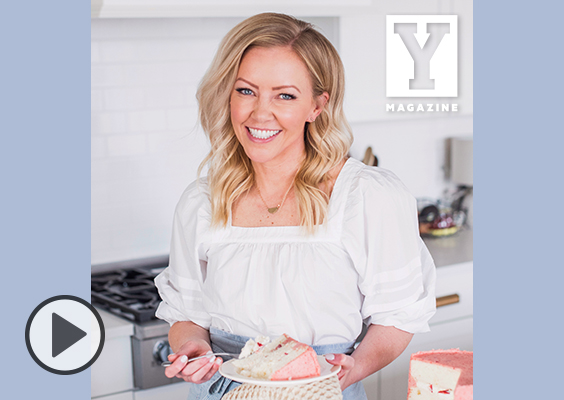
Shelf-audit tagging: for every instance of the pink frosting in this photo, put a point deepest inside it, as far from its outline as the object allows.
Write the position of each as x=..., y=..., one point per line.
x=465, y=392
x=303, y=366
x=454, y=358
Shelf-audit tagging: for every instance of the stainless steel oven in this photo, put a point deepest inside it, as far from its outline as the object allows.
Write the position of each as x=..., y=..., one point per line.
x=127, y=290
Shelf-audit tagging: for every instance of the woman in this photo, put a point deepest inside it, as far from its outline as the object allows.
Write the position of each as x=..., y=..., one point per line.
x=287, y=234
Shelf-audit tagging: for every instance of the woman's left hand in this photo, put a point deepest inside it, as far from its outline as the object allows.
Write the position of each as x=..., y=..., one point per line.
x=347, y=365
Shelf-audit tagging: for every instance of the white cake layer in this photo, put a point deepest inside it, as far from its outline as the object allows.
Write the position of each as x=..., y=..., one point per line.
x=422, y=394
x=437, y=375
x=263, y=364
x=253, y=346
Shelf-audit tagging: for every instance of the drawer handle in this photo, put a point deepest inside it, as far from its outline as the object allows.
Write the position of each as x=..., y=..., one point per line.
x=446, y=300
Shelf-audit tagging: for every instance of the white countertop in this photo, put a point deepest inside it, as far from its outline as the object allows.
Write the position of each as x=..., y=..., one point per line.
x=451, y=250
x=115, y=326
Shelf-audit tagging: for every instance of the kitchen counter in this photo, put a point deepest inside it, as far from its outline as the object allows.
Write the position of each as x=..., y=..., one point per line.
x=115, y=326
x=451, y=250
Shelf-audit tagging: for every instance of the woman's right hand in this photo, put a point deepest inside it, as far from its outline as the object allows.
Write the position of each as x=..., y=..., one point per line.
x=198, y=371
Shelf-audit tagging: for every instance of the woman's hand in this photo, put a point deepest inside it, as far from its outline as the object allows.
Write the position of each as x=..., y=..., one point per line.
x=380, y=346
x=198, y=371
x=347, y=364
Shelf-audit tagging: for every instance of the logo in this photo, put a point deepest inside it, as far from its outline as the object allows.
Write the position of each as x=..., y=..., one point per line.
x=422, y=56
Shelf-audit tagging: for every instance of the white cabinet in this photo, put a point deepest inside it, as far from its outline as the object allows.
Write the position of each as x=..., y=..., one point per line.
x=176, y=391
x=120, y=396
x=112, y=373
x=451, y=327
x=224, y=8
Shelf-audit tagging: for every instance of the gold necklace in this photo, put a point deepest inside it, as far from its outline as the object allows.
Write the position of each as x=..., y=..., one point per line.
x=273, y=210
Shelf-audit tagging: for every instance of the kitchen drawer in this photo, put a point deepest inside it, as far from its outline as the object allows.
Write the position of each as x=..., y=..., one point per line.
x=120, y=396
x=454, y=284
x=113, y=372
x=175, y=391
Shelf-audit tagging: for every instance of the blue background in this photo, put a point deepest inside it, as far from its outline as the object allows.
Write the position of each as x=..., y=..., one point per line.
x=45, y=169
x=45, y=202
x=518, y=143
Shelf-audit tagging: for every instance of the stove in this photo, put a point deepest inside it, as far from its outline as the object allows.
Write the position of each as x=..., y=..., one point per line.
x=127, y=290
x=130, y=293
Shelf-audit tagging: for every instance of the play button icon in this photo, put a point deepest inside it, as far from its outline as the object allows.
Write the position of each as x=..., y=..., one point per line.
x=64, y=335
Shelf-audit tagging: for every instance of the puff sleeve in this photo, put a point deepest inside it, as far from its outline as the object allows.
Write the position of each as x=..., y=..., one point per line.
x=396, y=274
x=180, y=284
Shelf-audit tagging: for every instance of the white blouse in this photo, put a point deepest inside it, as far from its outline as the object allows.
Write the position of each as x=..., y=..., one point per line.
x=367, y=263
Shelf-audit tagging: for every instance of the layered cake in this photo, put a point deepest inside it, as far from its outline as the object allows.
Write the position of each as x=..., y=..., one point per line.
x=282, y=359
x=441, y=375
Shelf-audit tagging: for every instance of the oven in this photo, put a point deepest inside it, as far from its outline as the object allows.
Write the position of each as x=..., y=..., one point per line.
x=127, y=291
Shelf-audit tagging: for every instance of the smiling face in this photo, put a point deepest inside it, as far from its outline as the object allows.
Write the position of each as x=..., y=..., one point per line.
x=270, y=103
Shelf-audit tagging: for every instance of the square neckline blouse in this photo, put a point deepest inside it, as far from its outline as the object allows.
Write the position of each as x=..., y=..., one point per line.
x=365, y=263
x=332, y=199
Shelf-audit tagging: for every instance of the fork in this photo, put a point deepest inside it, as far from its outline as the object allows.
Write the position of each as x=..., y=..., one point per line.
x=169, y=363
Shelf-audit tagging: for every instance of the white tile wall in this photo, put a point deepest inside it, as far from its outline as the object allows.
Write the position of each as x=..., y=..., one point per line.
x=414, y=149
x=146, y=144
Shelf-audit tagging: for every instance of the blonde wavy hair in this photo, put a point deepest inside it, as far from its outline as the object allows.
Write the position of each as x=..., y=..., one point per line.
x=327, y=140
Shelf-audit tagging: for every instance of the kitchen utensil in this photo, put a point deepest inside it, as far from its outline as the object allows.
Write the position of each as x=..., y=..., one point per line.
x=169, y=363
x=370, y=158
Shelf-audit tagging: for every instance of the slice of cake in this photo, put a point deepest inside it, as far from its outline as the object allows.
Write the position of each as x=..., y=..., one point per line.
x=441, y=375
x=253, y=346
x=282, y=359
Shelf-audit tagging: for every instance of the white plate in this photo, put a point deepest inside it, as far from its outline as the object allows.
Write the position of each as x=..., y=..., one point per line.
x=228, y=370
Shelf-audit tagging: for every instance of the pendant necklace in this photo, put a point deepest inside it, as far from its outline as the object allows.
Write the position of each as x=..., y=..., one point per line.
x=273, y=210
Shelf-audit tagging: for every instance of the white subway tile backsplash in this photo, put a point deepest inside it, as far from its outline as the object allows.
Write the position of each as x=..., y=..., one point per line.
x=169, y=96
x=96, y=100
x=181, y=118
x=151, y=214
x=140, y=242
x=168, y=50
x=99, y=195
x=98, y=147
x=94, y=52
x=110, y=215
x=146, y=120
x=151, y=28
x=218, y=27
x=158, y=73
x=146, y=145
x=119, y=51
x=126, y=145
x=105, y=123
x=137, y=191
x=107, y=169
x=124, y=98
x=107, y=75
x=143, y=74
x=101, y=246
x=161, y=143
x=203, y=49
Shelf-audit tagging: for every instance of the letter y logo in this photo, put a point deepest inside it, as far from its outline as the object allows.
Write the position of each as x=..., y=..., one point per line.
x=421, y=56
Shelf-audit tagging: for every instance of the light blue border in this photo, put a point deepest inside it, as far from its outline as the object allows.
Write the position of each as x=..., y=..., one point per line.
x=45, y=167
x=518, y=267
